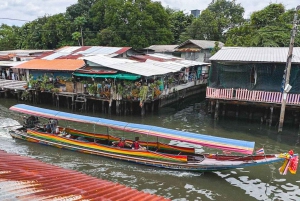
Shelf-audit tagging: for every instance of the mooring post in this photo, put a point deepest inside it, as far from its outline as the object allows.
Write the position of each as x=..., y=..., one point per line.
x=217, y=110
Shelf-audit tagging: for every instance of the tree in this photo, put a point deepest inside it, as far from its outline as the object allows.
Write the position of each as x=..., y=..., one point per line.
x=76, y=36
x=214, y=21
x=8, y=37
x=269, y=27
x=178, y=23
x=79, y=22
x=138, y=23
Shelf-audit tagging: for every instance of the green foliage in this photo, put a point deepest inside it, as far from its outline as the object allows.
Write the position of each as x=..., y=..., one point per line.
x=214, y=21
x=179, y=21
x=92, y=89
x=216, y=48
x=8, y=37
x=270, y=27
x=142, y=23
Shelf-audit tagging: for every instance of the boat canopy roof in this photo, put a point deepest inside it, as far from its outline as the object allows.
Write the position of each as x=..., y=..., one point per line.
x=227, y=144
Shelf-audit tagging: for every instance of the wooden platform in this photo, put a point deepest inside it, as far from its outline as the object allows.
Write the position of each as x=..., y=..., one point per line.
x=12, y=84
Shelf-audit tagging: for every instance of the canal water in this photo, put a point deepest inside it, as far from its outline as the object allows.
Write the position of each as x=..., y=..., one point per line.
x=252, y=183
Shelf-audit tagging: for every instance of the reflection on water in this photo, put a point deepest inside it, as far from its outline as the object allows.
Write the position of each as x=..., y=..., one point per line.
x=253, y=183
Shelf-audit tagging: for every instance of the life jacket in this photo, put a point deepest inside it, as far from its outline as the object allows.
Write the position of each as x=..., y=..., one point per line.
x=136, y=145
x=121, y=144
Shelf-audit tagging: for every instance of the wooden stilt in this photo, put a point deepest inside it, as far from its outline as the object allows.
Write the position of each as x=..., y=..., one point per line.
x=143, y=110
x=271, y=116
x=73, y=103
x=265, y=115
x=125, y=108
x=251, y=113
x=212, y=109
x=57, y=99
x=103, y=107
x=152, y=106
x=117, y=107
x=224, y=110
x=217, y=110
x=237, y=111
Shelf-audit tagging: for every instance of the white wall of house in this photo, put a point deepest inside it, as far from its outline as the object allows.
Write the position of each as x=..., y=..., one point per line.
x=202, y=56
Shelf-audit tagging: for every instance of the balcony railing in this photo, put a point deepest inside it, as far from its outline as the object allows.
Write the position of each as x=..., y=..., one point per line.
x=251, y=96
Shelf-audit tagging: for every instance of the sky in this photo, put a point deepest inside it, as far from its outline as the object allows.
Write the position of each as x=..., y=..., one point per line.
x=28, y=10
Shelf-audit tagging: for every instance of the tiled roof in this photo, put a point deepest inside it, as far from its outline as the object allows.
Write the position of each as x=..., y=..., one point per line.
x=57, y=64
x=256, y=54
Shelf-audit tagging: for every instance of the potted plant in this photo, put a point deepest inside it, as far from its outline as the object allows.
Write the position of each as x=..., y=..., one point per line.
x=84, y=82
x=92, y=89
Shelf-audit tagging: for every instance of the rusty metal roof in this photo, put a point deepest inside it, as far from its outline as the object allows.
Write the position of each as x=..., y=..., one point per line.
x=23, y=178
x=57, y=64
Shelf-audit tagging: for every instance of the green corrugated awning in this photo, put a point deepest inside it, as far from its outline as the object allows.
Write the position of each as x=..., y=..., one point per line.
x=123, y=76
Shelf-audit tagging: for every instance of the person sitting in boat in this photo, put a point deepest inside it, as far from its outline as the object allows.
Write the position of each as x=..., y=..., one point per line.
x=48, y=128
x=121, y=143
x=136, y=144
x=30, y=121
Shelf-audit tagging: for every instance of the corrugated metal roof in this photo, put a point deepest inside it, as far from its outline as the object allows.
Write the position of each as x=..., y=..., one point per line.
x=57, y=64
x=96, y=50
x=23, y=178
x=164, y=56
x=174, y=67
x=11, y=63
x=105, y=60
x=191, y=62
x=203, y=44
x=55, y=55
x=22, y=52
x=162, y=48
x=77, y=51
x=256, y=54
x=141, y=68
x=148, y=68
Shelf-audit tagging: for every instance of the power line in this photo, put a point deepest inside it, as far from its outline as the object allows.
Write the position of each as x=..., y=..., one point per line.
x=7, y=18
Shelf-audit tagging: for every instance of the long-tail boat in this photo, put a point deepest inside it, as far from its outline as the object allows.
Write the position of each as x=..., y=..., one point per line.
x=155, y=153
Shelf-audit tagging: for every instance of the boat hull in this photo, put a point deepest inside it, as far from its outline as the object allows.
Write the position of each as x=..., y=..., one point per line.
x=209, y=162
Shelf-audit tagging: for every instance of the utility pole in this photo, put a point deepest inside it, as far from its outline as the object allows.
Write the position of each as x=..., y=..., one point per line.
x=287, y=87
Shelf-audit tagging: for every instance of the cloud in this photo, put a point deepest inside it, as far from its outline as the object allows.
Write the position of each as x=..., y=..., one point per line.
x=32, y=9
